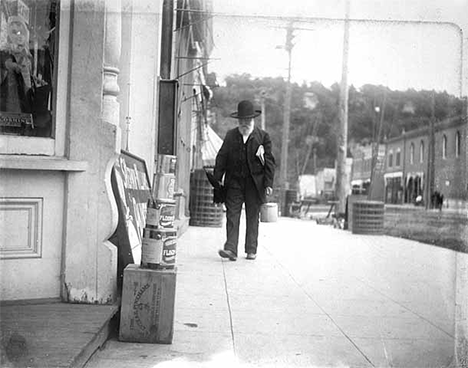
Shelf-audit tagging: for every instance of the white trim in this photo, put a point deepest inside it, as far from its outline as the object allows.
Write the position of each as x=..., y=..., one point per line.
x=397, y=174
x=414, y=173
x=24, y=162
x=62, y=67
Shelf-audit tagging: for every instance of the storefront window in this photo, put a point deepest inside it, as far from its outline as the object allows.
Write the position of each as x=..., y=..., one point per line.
x=28, y=36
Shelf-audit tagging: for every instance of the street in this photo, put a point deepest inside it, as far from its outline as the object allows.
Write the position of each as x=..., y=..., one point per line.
x=314, y=297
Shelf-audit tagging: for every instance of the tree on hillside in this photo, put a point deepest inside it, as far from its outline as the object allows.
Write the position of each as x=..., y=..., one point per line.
x=314, y=125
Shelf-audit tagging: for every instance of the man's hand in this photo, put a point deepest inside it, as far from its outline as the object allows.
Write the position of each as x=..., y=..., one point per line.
x=269, y=191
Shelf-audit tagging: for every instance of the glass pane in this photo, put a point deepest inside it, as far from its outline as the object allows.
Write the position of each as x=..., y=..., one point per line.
x=28, y=36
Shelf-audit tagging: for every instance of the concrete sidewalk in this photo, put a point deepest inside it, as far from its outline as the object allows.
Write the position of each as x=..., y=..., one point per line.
x=315, y=297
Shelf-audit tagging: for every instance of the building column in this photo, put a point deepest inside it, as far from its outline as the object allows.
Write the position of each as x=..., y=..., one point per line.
x=89, y=271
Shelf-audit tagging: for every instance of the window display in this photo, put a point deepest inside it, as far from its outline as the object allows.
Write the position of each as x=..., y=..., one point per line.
x=28, y=34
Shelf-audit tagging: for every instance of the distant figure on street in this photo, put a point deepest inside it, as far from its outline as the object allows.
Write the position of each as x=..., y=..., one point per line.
x=248, y=166
x=437, y=200
x=419, y=200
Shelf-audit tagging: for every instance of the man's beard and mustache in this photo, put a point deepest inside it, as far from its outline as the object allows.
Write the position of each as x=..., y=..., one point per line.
x=244, y=128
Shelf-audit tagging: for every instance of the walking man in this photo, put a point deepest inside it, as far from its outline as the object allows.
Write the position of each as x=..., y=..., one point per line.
x=248, y=166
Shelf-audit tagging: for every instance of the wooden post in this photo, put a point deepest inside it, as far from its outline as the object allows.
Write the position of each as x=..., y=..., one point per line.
x=286, y=116
x=340, y=188
x=262, y=99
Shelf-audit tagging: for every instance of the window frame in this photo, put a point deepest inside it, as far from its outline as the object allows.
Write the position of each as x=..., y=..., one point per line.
x=444, y=146
x=55, y=144
x=457, y=144
x=421, y=151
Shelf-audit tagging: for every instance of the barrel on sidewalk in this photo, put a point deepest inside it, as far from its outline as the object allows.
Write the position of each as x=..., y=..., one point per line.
x=368, y=217
x=203, y=212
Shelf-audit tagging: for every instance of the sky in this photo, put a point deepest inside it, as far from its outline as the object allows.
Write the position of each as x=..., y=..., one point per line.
x=397, y=43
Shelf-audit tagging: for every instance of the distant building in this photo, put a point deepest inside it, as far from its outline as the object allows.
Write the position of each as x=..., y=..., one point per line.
x=408, y=165
x=361, y=168
x=325, y=181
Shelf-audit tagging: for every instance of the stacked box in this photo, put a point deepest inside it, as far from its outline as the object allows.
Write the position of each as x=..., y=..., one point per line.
x=148, y=301
x=159, y=236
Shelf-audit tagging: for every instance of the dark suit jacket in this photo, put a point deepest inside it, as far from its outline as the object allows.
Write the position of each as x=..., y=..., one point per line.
x=229, y=156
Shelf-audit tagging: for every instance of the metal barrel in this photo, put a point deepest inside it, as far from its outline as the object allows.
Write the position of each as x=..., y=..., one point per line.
x=203, y=212
x=368, y=217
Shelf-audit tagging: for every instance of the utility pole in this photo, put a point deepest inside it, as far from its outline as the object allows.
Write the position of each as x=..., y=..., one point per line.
x=287, y=112
x=376, y=184
x=340, y=188
x=262, y=100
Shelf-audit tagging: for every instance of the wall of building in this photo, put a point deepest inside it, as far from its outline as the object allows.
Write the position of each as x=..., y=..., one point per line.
x=416, y=165
x=410, y=176
x=138, y=78
x=451, y=169
x=57, y=208
x=391, y=152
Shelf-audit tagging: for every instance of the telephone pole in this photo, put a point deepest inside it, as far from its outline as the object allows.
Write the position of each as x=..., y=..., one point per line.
x=262, y=100
x=286, y=117
x=340, y=188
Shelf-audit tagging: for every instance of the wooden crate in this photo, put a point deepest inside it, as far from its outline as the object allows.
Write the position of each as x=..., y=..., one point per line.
x=148, y=301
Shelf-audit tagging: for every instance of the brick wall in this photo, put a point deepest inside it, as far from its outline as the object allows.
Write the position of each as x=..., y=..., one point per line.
x=450, y=170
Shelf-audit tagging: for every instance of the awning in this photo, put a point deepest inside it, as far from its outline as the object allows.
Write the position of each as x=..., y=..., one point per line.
x=397, y=174
x=210, y=146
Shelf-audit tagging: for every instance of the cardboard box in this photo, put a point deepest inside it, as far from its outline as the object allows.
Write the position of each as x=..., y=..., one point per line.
x=148, y=301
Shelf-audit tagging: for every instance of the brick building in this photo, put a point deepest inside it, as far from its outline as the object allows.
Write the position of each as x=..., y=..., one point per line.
x=409, y=164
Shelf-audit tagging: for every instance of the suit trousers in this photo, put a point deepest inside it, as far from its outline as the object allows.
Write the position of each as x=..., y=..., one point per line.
x=241, y=191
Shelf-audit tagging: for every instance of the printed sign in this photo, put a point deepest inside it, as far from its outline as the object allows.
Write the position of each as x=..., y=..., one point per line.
x=132, y=190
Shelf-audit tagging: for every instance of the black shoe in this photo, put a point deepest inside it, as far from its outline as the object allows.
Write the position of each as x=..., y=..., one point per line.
x=227, y=254
x=251, y=256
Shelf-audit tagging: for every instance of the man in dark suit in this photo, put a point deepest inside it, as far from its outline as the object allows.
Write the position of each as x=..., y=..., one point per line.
x=248, y=166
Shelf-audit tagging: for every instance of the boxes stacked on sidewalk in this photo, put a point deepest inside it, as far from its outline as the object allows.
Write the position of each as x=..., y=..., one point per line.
x=159, y=236
x=148, y=296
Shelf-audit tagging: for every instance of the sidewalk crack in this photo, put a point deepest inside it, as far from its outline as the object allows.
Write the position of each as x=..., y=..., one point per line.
x=229, y=310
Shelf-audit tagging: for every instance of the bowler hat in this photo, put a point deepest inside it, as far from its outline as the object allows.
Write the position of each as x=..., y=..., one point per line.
x=245, y=110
